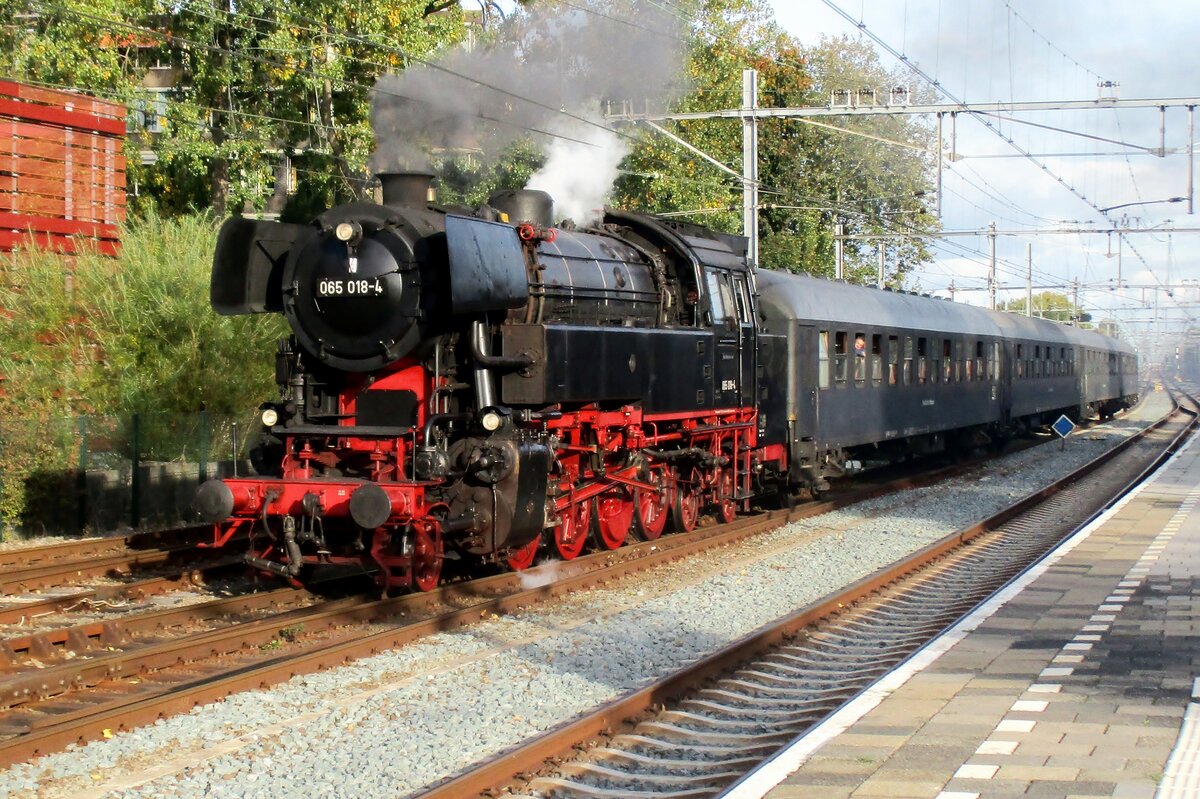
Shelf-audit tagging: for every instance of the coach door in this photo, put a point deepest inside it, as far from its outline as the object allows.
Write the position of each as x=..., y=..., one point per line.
x=804, y=381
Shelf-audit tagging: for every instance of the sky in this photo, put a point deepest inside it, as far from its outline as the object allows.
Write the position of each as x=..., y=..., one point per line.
x=1029, y=50
x=1052, y=50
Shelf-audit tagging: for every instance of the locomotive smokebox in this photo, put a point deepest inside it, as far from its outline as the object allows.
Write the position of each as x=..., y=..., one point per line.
x=525, y=205
x=405, y=189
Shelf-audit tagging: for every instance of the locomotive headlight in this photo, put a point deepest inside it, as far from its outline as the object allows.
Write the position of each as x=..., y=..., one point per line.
x=270, y=417
x=348, y=231
x=491, y=421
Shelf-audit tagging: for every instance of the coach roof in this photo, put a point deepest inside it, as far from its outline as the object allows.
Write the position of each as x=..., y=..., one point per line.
x=790, y=296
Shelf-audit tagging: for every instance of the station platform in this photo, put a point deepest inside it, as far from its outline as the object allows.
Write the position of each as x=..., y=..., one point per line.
x=1078, y=680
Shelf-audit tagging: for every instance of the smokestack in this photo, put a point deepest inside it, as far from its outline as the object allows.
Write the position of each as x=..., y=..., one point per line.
x=525, y=205
x=405, y=189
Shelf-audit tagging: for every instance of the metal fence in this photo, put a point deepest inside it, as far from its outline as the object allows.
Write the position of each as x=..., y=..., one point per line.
x=96, y=474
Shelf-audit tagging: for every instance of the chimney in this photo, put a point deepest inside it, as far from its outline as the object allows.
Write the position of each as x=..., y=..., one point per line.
x=405, y=189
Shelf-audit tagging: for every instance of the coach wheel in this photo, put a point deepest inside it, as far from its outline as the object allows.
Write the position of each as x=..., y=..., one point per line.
x=726, y=504
x=652, y=510
x=521, y=558
x=426, y=560
x=614, y=515
x=571, y=533
x=685, y=509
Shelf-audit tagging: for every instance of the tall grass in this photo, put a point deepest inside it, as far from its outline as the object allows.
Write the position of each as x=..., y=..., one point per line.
x=97, y=335
x=107, y=337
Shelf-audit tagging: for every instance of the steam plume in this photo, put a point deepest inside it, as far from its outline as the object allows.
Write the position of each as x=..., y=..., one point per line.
x=549, y=75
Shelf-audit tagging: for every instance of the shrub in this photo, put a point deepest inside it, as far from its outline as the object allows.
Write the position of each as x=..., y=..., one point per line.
x=92, y=335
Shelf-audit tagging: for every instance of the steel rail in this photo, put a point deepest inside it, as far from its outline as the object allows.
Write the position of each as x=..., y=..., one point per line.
x=70, y=723
x=89, y=547
x=23, y=611
x=499, y=594
x=563, y=742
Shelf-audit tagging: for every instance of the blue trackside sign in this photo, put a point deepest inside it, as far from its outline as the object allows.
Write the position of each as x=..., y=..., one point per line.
x=1064, y=426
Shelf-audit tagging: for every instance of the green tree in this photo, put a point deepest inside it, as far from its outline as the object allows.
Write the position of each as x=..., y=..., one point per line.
x=254, y=81
x=812, y=176
x=1050, y=305
x=262, y=80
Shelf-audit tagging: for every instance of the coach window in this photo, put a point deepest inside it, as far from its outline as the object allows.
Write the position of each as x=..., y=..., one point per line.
x=877, y=358
x=935, y=362
x=893, y=355
x=1112, y=363
x=995, y=361
x=1020, y=360
x=839, y=356
x=980, y=374
x=823, y=359
x=922, y=360
x=908, y=361
x=860, y=357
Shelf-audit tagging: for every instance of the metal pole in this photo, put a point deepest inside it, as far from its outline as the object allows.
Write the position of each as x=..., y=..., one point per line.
x=202, y=466
x=1191, y=148
x=939, y=165
x=135, y=483
x=879, y=284
x=950, y=288
x=81, y=478
x=1075, y=301
x=992, y=270
x=1029, y=279
x=953, y=137
x=1162, y=131
x=750, y=163
x=839, y=253
x=1119, y=251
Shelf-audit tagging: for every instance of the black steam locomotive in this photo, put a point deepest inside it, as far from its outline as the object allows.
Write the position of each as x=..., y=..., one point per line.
x=476, y=383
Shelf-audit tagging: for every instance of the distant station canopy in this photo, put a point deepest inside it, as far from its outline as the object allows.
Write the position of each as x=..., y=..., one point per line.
x=62, y=178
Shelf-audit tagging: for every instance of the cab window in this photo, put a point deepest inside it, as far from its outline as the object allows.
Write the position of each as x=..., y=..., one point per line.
x=741, y=294
x=718, y=292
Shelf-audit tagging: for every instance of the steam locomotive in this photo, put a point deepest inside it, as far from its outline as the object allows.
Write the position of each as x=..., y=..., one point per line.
x=481, y=385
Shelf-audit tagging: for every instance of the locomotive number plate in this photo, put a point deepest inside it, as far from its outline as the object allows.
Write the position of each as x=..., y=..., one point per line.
x=360, y=287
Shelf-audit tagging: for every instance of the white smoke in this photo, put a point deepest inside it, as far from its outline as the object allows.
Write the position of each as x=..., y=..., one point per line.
x=580, y=176
x=546, y=70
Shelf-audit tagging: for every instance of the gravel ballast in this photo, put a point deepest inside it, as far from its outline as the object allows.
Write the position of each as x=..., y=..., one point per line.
x=388, y=725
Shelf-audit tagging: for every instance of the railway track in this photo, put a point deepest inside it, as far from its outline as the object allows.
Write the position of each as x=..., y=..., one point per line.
x=45, y=580
x=696, y=732
x=76, y=683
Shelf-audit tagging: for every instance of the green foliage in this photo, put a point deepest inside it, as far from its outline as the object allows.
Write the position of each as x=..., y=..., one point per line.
x=251, y=81
x=1050, y=305
x=101, y=337
x=812, y=177
x=128, y=335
